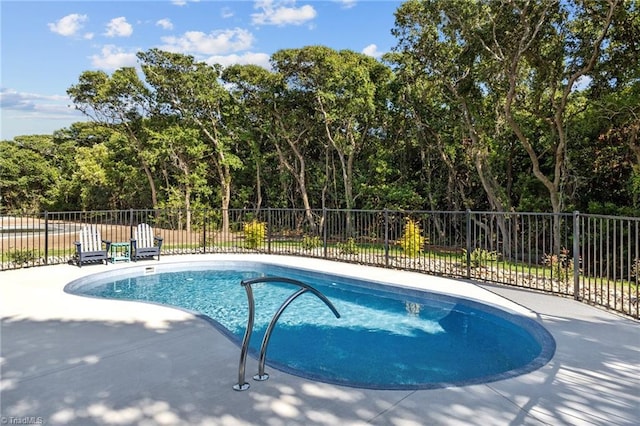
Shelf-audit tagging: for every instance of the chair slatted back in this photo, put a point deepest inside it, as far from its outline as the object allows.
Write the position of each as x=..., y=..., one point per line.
x=144, y=236
x=90, y=239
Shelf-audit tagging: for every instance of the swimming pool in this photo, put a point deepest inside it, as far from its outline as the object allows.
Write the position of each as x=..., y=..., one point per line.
x=386, y=338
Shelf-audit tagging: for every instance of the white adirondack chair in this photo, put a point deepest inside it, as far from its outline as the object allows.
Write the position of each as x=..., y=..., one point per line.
x=144, y=244
x=90, y=246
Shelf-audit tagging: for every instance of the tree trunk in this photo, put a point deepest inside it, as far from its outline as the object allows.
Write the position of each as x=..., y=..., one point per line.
x=299, y=174
x=187, y=206
x=225, y=190
x=480, y=153
x=152, y=184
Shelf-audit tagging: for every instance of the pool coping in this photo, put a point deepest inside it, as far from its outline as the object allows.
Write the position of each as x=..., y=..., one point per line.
x=592, y=378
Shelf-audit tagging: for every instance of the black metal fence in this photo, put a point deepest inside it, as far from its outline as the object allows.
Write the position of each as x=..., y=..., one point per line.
x=592, y=258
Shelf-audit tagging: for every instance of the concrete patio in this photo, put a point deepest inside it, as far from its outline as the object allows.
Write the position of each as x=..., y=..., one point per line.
x=71, y=360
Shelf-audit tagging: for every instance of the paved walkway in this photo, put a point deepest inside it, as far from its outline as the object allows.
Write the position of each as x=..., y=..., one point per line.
x=71, y=360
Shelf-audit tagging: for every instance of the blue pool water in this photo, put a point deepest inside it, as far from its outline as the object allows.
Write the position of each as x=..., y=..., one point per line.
x=386, y=337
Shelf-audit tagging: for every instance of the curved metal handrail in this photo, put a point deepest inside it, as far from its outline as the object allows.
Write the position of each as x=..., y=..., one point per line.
x=242, y=385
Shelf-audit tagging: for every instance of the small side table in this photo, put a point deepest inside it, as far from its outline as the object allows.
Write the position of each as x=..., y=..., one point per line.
x=120, y=252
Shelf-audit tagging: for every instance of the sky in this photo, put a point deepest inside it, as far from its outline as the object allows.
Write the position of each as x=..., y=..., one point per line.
x=46, y=45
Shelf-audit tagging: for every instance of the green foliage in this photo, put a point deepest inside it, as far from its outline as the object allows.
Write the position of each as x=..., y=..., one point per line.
x=634, y=187
x=429, y=127
x=412, y=241
x=27, y=173
x=348, y=247
x=91, y=176
x=481, y=257
x=310, y=243
x=254, y=234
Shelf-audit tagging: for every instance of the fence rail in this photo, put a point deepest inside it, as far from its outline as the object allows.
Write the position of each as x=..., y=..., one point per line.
x=592, y=258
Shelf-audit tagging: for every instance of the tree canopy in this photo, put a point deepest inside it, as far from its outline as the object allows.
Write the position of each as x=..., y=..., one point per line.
x=501, y=105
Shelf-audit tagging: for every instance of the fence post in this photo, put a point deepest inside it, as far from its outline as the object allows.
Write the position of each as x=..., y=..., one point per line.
x=576, y=255
x=324, y=231
x=269, y=225
x=204, y=230
x=130, y=224
x=386, y=237
x=46, y=237
x=468, y=244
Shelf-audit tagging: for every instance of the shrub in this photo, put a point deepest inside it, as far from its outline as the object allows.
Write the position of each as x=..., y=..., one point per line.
x=23, y=257
x=254, y=234
x=412, y=240
x=561, y=265
x=310, y=243
x=350, y=247
x=480, y=256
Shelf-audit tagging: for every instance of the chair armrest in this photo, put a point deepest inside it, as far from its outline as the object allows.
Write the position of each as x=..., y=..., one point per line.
x=158, y=240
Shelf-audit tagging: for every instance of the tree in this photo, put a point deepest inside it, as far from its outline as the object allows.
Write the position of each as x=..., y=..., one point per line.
x=606, y=158
x=191, y=91
x=433, y=46
x=27, y=173
x=252, y=88
x=344, y=89
x=423, y=120
x=122, y=102
x=91, y=176
x=285, y=118
x=186, y=151
x=513, y=66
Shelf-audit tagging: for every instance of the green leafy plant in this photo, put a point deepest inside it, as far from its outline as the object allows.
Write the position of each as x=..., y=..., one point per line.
x=412, y=240
x=310, y=243
x=481, y=256
x=254, y=234
x=348, y=247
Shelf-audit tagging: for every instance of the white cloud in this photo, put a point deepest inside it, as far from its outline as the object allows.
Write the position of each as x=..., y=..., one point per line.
x=68, y=25
x=282, y=13
x=165, y=23
x=112, y=57
x=119, y=27
x=32, y=113
x=214, y=43
x=183, y=2
x=24, y=105
x=226, y=12
x=347, y=4
x=372, y=50
x=261, y=59
x=11, y=99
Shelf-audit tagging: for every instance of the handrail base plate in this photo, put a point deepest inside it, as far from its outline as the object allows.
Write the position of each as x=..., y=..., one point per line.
x=241, y=387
